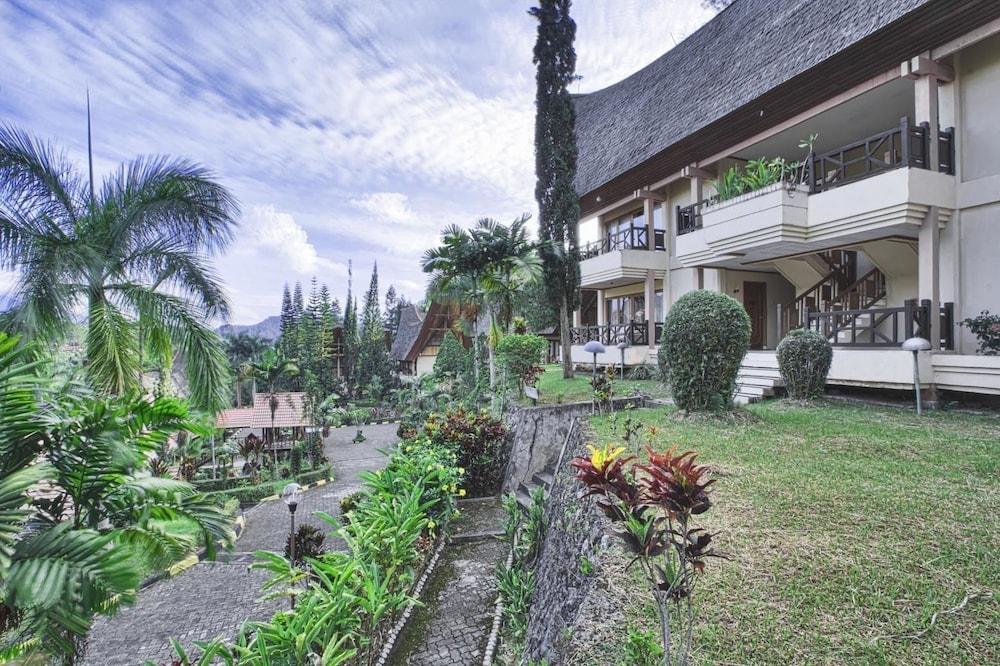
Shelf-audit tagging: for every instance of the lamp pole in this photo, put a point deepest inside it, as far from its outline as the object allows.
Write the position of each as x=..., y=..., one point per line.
x=292, y=494
x=916, y=345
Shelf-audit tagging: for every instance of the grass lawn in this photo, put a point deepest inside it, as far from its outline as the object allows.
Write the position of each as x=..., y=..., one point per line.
x=553, y=389
x=849, y=527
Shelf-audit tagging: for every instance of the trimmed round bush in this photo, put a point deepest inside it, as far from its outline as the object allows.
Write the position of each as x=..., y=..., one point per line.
x=705, y=336
x=804, y=358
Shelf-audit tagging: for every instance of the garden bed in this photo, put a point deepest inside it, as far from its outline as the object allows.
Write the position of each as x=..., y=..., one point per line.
x=554, y=389
x=248, y=495
x=857, y=535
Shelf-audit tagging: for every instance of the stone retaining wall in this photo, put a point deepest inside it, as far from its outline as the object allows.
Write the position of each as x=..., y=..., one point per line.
x=574, y=537
x=537, y=436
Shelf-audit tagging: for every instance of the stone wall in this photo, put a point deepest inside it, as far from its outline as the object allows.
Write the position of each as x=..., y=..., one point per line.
x=537, y=436
x=574, y=536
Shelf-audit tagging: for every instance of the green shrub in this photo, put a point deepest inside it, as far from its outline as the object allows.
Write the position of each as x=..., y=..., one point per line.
x=295, y=458
x=804, y=359
x=479, y=442
x=520, y=355
x=642, y=648
x=308, y=543
x=705, y=336
x=453, y=359
x=325, y=472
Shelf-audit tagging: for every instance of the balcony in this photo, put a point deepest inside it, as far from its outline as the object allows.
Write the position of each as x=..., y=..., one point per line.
x=634, y=333
x=873, y=188
x=621, y=258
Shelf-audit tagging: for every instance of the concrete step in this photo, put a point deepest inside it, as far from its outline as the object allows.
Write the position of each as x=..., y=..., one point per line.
x=765, y=373
x=755, y=380
x=543, y=479
x=750, y=390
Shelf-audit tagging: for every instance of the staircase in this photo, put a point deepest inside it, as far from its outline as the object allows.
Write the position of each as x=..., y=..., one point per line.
x=541, y=480
x=758, y=377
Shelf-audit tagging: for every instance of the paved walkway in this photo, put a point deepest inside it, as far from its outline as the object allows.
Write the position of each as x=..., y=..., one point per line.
x=214, y=598
x=453, y=625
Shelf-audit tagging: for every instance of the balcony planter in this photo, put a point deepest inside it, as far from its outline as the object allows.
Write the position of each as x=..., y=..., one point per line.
x=774, y=213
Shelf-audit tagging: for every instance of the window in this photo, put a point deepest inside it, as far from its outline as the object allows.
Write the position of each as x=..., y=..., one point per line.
x=626, y=309
x=627, y=231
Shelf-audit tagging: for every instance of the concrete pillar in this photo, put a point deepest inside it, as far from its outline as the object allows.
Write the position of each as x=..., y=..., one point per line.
x=699, y=278
x=577, y=317
x=651, y=307
x=712, y=279
x=928, y=272
x=696, y=189
x=602, y=314
x=668, y=246
x=927, y=110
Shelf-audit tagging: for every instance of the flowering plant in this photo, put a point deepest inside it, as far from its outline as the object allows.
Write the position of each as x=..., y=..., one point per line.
x=986, y=328
x=652, y=506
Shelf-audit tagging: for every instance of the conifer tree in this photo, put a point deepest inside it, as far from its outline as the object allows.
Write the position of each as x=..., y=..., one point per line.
x=288, y=325
x=555, y=163
x=350, y=329
x=373, y=354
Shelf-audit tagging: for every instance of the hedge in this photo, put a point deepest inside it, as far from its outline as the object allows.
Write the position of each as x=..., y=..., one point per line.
x=705, y=336
x=804, y=359
x=250, y=495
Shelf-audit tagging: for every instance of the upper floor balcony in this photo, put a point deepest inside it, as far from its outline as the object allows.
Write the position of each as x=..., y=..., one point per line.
x=621, y=257
x=881, y=185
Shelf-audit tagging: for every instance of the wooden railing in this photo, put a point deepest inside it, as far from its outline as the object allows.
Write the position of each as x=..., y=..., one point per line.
x=904, y=145
x=882, y=327
x=635, y=333
x=632, y=238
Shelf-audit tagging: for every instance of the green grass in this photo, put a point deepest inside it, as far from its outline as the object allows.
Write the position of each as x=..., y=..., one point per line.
x=553, y=389
x=848, y=528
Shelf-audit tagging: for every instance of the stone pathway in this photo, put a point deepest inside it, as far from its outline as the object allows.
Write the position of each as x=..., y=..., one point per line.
x=214, y=598
x=452, y=626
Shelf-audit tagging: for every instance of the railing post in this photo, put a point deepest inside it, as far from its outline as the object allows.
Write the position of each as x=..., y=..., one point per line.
x=948, y=325
x=811, y=171
x=904, y=141
x=908, y=316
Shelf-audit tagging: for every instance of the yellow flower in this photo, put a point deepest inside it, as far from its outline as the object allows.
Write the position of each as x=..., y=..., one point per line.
x=431, y=524
x=454, y=488
x=461, y=470
x=461, y=492
x=600, y=458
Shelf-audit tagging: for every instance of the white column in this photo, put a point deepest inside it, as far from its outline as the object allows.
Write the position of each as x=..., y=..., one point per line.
x=602, y=315
x=577, y=317
x=696, y=189
x=668, y=250
x=713, y=279
x=647, y=211
x=927, y=110
x=650, y=307
x=928, y=268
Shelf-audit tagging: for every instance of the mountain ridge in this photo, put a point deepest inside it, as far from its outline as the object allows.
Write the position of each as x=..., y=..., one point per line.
x=269, y=329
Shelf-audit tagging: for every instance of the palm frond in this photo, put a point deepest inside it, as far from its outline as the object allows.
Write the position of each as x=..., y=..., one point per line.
x=113, y=359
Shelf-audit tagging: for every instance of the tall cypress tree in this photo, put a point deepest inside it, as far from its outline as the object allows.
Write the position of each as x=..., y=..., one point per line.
x=555, y=163
x=350, y=328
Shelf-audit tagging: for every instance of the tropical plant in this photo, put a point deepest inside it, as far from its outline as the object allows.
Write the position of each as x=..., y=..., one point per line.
x=986, y=328
x=652, y=507
x=269, y=370
x=520, y=355
x=76, y=549
x=241, y=349
x=308, y=544
x=477, y=440
x=705, y=336
x=133, y=253
x=452, y=360
x=516, y=585
x=804, y=358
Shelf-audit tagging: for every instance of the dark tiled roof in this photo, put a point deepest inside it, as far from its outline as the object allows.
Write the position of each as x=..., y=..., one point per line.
x=748, y=49
x=410, y=321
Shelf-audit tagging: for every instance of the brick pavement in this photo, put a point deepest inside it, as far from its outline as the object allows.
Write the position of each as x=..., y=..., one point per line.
x=214, y=598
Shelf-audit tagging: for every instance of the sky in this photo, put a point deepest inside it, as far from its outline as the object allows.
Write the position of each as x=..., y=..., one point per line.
x=347, y=130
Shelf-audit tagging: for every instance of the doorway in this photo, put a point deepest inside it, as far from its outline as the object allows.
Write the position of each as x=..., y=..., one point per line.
x=755, y=303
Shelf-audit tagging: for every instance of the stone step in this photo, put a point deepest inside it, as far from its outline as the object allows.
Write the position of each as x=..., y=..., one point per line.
x=756, y=380
x=523, y=498
x=758, y=391
x=543, y=479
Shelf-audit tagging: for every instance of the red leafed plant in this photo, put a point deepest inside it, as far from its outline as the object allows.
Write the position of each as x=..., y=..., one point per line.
x=652, y=506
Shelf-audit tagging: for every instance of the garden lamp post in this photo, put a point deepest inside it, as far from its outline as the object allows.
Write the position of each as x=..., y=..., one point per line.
x=622, y=346
x=916, y=345
x=594, y=347
x=291, y=494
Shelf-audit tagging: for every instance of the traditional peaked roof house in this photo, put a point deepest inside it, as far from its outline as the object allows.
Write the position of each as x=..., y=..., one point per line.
x=419, y=336
x=881, y=230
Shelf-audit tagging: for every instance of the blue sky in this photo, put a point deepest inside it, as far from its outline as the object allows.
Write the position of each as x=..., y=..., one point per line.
x=346, y=129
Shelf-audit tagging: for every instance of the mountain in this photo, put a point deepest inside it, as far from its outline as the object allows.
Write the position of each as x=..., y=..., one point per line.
x=269, y=329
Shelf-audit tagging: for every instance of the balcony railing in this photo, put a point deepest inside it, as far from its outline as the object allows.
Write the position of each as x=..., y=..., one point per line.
x=882, y=327
x=631, y=238
x=635, y=333
x=906, y=145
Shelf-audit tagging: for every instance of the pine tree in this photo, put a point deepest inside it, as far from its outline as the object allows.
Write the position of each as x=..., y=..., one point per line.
x=289, y=328
x=391, y=311
x=373, y=367
x=350, y=329
x=338, y=316
x=555, y=163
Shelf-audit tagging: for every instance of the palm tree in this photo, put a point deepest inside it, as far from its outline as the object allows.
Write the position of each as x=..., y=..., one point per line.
x=484, y=267
x=270, y=369
x=241, y=349
x=133, y=254
x=79, y=513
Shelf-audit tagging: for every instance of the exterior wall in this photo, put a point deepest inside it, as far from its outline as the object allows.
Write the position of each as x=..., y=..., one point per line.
x=973, y=244
x=779, y=290
x=425, y=362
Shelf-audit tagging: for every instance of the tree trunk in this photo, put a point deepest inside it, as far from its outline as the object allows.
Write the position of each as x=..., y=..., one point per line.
x=565, y=321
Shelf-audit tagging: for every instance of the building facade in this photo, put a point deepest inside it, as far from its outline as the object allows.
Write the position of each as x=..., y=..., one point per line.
x=830, y=164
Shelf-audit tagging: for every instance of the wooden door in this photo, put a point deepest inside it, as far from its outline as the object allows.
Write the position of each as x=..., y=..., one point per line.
x=755, y=303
